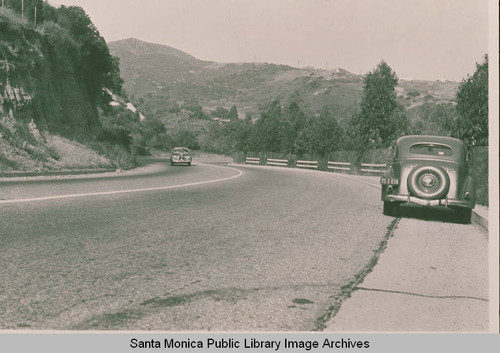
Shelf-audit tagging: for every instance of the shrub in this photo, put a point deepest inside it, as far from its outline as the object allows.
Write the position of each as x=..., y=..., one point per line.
x=119, y=155
x=479, y=171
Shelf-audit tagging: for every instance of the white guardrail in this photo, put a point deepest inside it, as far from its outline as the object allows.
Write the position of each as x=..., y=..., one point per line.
x=252, y=160
x=369, y=168
x=307, y=164
x=373, y=168
x=274, y=161
x=339, y=166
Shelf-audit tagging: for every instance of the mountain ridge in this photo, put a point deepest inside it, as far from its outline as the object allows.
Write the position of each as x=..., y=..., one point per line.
x=160, y=72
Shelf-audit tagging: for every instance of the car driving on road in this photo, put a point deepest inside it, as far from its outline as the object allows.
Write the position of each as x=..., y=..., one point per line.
x=181, y=155
x=431, y=171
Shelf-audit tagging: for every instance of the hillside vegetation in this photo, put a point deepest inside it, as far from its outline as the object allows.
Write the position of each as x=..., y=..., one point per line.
x=154, y=72
x=52, y=75
x=186, y=94
x=59, y=78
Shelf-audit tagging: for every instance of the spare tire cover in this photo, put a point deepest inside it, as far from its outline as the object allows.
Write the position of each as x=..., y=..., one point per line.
x=428, y=182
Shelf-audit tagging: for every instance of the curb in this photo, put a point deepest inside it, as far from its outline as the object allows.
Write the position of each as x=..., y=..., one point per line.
x=21, y=174
x=477, y=218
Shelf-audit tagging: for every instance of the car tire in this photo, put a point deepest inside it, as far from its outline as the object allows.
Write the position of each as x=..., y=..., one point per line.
x=463, y=215
x=391, y=209
x=428, y=182
x=189, y=164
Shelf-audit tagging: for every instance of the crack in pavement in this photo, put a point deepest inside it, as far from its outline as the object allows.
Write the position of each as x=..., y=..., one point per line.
x=350, y=287
x=422, y=295
x=129, y=314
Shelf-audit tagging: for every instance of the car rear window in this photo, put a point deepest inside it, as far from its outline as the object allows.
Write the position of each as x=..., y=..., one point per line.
x=431, y=149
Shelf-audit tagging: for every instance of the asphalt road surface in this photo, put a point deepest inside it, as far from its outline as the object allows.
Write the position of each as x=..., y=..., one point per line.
x=206, y=247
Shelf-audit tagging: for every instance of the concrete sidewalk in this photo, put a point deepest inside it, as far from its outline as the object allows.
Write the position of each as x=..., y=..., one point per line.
x=424, y=281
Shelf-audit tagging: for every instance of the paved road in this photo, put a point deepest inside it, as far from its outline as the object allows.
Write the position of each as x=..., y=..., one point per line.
x=264, y=249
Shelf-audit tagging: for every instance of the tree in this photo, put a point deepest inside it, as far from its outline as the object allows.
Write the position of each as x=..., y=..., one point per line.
x=233, y=113
x=195, y=109
x=472, y=107
x=292, y=122
x=320, y=134
x=266, y=132
x=186, y=138
x=328, y=134
x=434, y=119
x=97, y=67
x=382, y=118
x=220, y=112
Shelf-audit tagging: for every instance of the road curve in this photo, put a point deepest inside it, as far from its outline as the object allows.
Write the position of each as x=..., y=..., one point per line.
x=267, y=250
x=155, y=178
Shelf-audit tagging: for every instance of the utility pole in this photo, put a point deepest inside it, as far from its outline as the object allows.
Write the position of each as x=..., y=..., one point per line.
x=35, y=15
x=22, y=9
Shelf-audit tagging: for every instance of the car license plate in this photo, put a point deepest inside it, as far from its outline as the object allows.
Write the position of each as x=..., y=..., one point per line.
x=389, y=181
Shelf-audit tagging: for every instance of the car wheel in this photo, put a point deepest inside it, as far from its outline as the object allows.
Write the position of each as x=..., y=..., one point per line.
x=428, y=182
x=463, y=215
x=189, y=163
x=391, y=209
x=171, y=163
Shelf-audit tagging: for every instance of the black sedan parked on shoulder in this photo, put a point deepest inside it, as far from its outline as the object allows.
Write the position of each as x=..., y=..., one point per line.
x=431, y=171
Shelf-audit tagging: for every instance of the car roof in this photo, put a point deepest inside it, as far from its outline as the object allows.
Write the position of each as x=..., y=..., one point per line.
x=404, y=143
x=411, y=139
x=181, y=148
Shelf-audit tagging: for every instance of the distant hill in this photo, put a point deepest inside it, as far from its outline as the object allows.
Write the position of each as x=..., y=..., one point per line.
x=150, y=67
x=158, y=76
x=152, y=70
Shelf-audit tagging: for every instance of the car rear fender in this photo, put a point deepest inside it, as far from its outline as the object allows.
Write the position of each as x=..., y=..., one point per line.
x=468, y=190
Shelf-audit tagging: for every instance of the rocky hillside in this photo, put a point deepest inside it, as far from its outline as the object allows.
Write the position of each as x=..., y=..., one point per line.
x=52, y=76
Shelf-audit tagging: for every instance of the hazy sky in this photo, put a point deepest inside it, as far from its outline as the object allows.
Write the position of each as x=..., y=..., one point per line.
x=419, y=39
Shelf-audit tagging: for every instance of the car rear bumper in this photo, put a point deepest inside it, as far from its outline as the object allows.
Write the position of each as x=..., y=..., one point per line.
x=428, y=203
